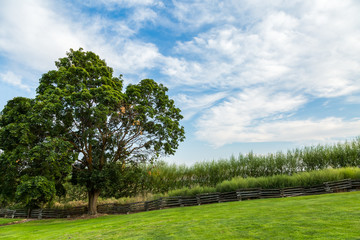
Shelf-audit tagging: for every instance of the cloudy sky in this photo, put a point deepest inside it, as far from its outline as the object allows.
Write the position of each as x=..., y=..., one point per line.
x=247, y=74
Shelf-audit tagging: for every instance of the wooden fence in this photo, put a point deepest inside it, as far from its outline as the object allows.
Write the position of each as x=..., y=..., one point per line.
x=182, y=201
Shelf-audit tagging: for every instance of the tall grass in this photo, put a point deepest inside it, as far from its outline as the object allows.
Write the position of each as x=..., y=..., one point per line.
x=164, y=177
x=303, y=179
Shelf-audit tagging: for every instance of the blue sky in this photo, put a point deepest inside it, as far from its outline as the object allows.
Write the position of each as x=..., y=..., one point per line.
x=247, y=74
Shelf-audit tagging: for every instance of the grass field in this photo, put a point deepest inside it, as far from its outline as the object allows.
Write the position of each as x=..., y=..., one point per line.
x=330, y=216
x=8, y=220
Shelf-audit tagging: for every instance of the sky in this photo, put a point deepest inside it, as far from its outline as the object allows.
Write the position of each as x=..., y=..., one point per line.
x=248, y=75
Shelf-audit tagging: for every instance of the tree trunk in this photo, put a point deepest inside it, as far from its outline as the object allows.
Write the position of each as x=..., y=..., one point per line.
x=29, y=213
x=93, y=196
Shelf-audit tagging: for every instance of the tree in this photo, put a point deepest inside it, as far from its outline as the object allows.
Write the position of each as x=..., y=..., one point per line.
x=33, y=165
x=82, y=104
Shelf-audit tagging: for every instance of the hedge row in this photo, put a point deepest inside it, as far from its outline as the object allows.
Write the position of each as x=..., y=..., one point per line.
x=164, y=177
x=303, y=179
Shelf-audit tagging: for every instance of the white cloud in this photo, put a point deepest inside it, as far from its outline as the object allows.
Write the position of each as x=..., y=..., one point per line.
x=143, y=14
x=130, y=57
x=281, y=130
x=323, y=130
x=280, y=49
x=277, y=52
x=112, y=4
x=36, y=33
x=191, y=105
x=236, y=116
x=198, y=13
x=33, y=35
x=14, y=80
x=353, y=99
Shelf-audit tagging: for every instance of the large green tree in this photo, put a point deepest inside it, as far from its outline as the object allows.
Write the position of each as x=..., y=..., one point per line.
x=83, y=104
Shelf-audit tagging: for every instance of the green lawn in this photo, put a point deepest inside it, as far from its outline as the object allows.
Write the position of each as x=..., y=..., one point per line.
x=8, y=220
x=330, y=216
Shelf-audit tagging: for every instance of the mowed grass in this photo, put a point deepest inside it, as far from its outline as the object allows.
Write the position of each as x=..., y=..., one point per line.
x=330, y=216
x=8, y=220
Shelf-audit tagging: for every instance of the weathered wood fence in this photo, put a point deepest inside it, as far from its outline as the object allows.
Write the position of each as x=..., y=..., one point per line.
x=182, y=201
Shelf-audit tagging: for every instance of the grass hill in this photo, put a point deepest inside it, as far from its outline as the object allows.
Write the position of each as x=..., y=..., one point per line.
x=330, y=216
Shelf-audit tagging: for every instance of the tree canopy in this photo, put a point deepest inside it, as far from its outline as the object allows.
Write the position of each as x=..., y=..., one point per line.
x=81, y=113
x=32, y=162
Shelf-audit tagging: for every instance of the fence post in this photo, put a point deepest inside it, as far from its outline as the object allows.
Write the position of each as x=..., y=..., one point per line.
x=327, y=187
x=218, y=198
x=198, y=200
x=13, y=214
x=40, y=214
x=181, y=202
x=238, y=196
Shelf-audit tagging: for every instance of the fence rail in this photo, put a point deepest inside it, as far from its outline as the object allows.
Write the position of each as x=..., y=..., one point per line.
x=181, y=201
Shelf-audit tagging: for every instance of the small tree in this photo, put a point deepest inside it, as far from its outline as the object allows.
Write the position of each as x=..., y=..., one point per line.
x=82, y=104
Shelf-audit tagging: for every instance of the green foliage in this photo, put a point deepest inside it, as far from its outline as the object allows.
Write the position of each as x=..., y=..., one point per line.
x=166, y=177
x=73, y=193
x=81, y=116
x=303, y=179
x=28, y=151
x=35, y=191
x=191, y=191
x=8, y=181
x=123, y=181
